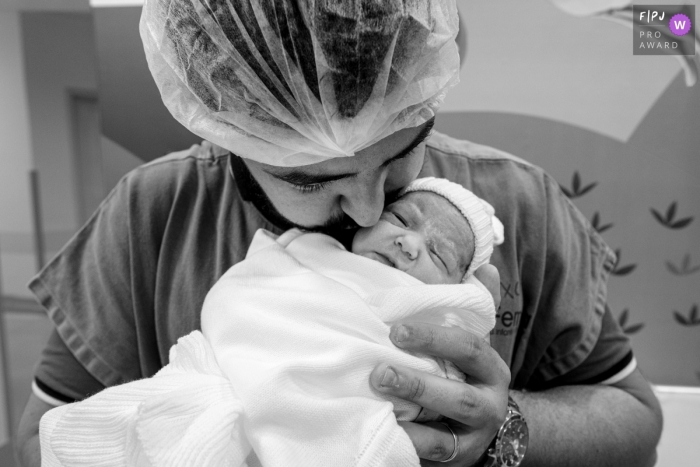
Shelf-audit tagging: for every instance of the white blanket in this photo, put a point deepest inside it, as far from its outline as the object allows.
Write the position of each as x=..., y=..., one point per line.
x=282, y=377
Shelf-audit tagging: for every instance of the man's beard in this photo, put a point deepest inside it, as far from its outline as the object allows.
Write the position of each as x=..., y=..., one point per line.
x=339, y=226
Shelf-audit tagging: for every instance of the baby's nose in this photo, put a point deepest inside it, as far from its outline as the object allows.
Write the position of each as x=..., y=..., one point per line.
x=407, y=246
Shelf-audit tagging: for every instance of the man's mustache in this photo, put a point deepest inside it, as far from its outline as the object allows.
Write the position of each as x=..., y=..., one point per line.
x=337, y=223
x=341, y=223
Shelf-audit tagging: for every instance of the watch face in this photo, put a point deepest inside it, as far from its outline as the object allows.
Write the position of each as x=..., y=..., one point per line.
x=512, y=444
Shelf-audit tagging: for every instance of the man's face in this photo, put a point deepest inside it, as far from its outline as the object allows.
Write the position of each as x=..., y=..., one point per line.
x=421, y=234
x=344, y=192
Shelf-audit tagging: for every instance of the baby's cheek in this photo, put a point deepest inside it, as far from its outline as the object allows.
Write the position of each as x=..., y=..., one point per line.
x=436, y=275
x=425, y=273
x=363, y=240
x=375, y=237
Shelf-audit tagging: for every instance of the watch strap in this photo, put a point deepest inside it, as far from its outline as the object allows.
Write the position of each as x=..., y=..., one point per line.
x=490, y=457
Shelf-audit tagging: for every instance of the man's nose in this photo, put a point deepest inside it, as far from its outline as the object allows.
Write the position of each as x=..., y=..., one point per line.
x=364, y=201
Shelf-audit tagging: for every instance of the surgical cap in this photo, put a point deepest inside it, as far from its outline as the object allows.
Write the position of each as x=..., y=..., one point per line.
x=296, y=82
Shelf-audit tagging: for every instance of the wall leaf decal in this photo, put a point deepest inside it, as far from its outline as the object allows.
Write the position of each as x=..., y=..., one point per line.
x=672, y=267
x=685, y=267
x=595, y=222
x=621, y=270
x=668, y=219
x=691, y=320
x=681, y=223
x=577, y=190
x=632, y=328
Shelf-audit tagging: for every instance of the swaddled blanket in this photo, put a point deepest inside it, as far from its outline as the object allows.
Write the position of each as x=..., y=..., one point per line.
x=282, y=375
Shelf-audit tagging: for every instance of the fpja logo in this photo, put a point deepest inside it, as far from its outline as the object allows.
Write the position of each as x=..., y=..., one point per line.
x=679, y=24
x=651, y=16
x=663, y=29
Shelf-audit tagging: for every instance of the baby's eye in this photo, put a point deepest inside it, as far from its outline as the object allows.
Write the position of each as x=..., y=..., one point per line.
x=436, y=255
x=400, y=219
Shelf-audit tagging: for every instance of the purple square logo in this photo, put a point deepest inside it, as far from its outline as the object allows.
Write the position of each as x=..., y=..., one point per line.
x=664, y=29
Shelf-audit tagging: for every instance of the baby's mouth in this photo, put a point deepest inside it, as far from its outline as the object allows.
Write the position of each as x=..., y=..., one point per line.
x=383, y=259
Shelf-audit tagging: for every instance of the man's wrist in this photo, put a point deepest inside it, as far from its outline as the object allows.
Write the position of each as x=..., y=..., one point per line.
x=510, y=443
x=485, y=460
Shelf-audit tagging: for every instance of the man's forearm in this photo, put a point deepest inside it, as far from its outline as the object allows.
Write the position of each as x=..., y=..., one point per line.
x=27, y=444
x=592, y=425
x=29, y=455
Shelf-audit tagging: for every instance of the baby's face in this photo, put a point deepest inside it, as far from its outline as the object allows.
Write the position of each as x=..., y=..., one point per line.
x=421, y=234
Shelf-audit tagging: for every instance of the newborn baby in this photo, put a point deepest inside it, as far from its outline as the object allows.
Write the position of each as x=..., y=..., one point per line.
x=279, y=375
x=429, y=232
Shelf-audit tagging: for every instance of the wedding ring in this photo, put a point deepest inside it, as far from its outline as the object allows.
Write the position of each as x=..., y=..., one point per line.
x=454, y=451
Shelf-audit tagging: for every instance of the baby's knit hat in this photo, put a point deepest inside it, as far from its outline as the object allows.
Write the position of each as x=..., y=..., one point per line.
x=480, y=215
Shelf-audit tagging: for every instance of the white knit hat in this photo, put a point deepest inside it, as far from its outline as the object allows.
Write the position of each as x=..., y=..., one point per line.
x=480, y=215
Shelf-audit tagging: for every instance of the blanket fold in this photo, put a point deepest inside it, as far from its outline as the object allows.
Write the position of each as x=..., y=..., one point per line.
x=186, y=415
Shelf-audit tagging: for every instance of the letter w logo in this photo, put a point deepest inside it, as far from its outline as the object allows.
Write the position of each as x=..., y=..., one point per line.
x=679, y=25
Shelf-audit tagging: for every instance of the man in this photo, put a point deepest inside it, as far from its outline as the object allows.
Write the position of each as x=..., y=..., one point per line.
x=330, y=106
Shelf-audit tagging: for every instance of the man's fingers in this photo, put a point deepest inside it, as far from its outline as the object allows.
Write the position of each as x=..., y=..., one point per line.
x=453, y=399
x=427, y=415
x=472, y=354
x=488, y=275
x=433, y=441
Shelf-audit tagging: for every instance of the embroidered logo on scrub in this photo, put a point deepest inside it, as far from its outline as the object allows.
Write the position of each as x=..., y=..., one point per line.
x=509, y=313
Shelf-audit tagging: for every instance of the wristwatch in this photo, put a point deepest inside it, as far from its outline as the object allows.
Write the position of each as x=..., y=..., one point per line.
x=509, y=446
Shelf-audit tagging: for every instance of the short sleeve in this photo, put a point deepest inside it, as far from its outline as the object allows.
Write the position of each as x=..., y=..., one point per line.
x=97, y=284
x=610, y=360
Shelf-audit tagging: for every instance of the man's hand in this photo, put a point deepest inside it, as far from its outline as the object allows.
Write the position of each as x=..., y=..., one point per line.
x=617, y=425
x=474, y=409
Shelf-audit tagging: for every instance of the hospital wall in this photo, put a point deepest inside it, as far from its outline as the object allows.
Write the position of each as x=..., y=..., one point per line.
x=15, y=161
x=59, y=61
x=16, y=257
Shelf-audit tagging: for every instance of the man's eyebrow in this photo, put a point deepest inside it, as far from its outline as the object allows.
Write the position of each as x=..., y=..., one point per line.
x=422, y=136
x=299, y=177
